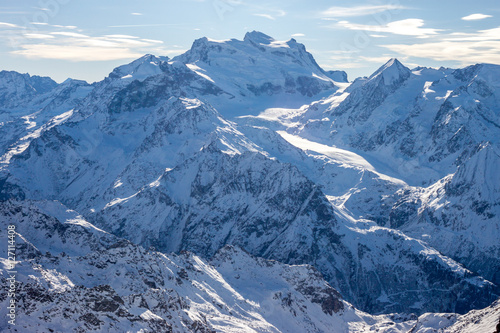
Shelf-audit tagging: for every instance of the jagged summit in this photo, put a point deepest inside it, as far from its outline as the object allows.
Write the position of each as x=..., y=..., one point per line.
x=338, y=76
x=392, y=71
x=140, y=69
x=258, y=37
x=258, y=66
x=18, y=90
x=14, y=82
x=489, y=73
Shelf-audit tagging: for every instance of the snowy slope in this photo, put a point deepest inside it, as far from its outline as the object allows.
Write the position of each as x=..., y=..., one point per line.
x=174, y=171
x=258, y=72
x=30, y=105
x=376, y=185
x=459, y=214
x=114, y=286
x=17, y=90
x=422, y=123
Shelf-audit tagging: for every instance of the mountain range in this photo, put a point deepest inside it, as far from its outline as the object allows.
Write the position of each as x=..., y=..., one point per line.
x=241, y=187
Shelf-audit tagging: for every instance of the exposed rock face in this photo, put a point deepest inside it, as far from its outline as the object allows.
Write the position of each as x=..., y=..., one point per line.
x=465, y=204
x=19, y=89
x=112, y=285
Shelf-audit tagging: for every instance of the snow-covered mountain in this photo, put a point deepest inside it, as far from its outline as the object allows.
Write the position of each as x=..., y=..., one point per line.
x=247, y=151
x=259, y=72
x=30, y=105
x=74, y=276
x=17, y=89
x=420, y=124
x=459, y=214
x=83, y=277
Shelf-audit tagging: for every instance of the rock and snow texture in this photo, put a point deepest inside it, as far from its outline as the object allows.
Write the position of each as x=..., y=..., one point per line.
x=387, y=186
x=111, y=285
x=258, y=72
x=459, y=214
x=419, y=124
x=74, y=277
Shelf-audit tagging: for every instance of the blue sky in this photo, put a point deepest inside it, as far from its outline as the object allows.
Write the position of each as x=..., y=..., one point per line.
x=87, y=39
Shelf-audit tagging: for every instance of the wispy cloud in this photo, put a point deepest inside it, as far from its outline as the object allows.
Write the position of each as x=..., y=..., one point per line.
x=466, y=48
x=267, y=16
x=137, y=14
x=8, y=25
x=475, y=17
x=120, y=36
x=75, y=53
x=298, y=35
x=38, y=36
x=69, y=34
x=154, y=41
x=71, y=46
x=54, y=25
x=143, y=25
x=408, y=27
x=358, y=10
x=274, y=14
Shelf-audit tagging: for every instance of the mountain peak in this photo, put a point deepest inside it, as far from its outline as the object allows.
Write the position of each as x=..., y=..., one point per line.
x=140, y=69
x=258, y=37
x=392, y=72
x=16, y=88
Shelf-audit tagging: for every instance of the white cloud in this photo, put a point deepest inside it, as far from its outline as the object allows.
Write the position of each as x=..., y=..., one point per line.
x=408, y=27
x=54, y=25
x=65, y=26
x=298, y=35
x=358, y=10
x=474, y=17
x=137, y=14
x=143, y=25
x=120, y=36
x=69, y=34
x=466, y=48
x=267, y=16
x=75, y=53
x=71, y=46
x=481, y=35
x=39, y=36
x=273, y=16
x=8, y=25
x=154, y=41
x=377, y=36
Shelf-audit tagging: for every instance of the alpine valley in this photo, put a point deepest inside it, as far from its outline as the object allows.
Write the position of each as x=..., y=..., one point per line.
x=239, y=187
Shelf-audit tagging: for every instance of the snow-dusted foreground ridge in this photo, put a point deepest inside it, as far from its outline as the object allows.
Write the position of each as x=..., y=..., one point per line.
x=75, y=277
x=305, y=203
